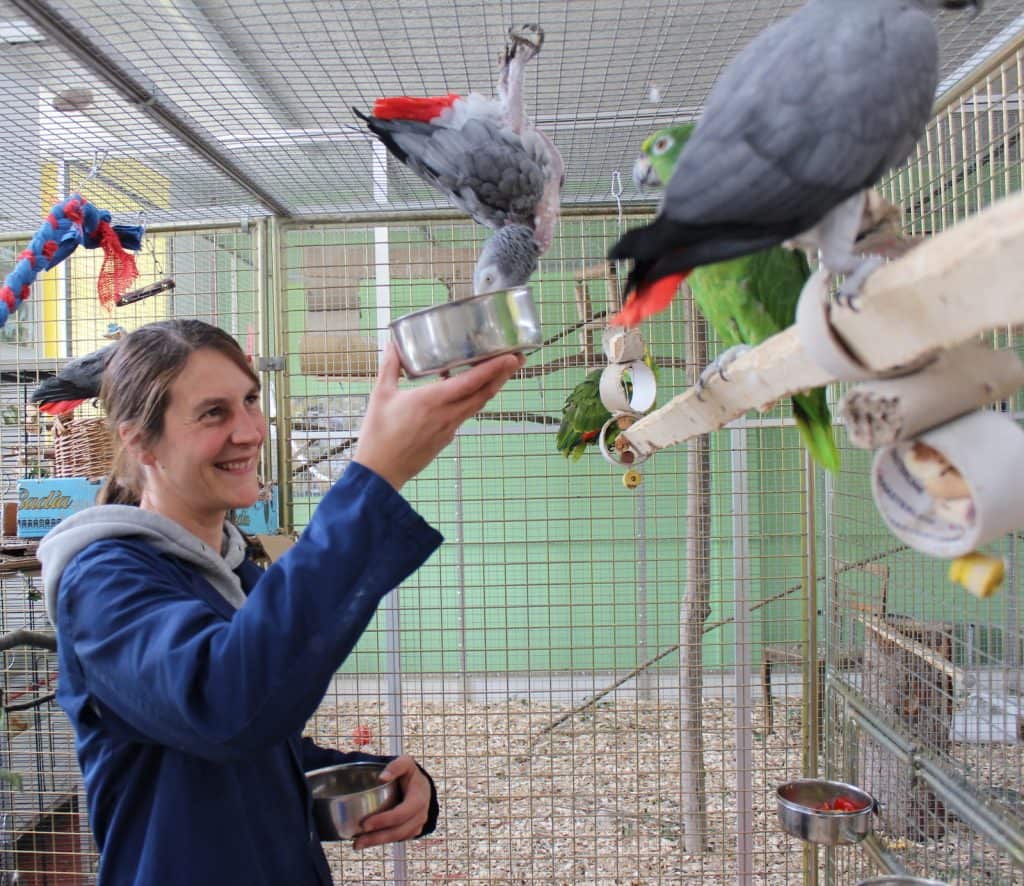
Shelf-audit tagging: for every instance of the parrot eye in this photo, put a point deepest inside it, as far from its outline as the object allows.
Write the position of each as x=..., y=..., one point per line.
x=662, y=145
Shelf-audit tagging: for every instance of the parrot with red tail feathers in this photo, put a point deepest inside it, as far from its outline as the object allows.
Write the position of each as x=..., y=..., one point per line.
x=77, y=381
x=486, y=157
x=799, y=125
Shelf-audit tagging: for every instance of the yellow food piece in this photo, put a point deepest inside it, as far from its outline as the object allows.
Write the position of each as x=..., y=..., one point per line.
x=978, y=573
x=632, y=478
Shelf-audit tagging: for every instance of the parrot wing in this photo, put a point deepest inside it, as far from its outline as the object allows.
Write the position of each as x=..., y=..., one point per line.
x=815, y=109
x=495, y=175
x=77, y=381
x=583, y=416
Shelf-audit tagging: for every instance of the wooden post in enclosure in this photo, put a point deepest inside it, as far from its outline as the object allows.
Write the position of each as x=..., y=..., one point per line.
x=695, y=608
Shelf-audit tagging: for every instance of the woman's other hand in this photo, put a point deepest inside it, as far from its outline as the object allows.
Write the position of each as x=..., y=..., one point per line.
x=406, y=820
x=404, y=430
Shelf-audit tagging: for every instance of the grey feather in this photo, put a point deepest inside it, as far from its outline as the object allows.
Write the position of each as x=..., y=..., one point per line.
x=507, y=260
x=489, y=172
x=813, y=111
x=805, y=116
x=78, y=379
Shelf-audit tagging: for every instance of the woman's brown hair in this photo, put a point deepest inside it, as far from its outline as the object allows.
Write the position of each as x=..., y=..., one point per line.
x=137, y=384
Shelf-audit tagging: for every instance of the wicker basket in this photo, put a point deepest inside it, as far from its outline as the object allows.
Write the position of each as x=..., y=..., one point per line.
x=82, y=447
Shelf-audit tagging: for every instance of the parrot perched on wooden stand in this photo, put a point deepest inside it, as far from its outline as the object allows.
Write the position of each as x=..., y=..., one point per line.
x=749, y=299
x=799, y=125
x=488, y=159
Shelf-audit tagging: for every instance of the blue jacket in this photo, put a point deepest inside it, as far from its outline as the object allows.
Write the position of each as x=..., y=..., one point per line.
x=188, y=712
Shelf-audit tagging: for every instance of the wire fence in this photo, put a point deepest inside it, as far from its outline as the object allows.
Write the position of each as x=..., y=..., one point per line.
x=925, y=709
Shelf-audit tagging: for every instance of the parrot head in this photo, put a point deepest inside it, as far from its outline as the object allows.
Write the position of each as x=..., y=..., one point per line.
x=658, y=156
x=507, y=260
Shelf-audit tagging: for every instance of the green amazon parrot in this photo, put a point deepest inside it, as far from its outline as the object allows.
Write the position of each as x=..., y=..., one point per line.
x=747, y=300
x=584, y=414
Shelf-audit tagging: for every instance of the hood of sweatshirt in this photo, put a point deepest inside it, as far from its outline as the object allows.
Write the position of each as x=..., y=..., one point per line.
x=80, y=530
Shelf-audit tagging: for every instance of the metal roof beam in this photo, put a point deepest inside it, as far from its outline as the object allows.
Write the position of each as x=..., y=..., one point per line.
x=88, y=54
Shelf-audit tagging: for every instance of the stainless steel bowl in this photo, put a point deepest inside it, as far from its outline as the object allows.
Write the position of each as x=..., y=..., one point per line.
x=800, y=814
x=467, y=331
x=345, y=794
x=900, y=880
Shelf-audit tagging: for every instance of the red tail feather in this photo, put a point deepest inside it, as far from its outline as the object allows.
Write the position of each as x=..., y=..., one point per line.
x=403, y=107
x=648, y=300
x=60, y=407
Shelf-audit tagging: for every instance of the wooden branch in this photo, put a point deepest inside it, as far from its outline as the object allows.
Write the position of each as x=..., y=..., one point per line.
x=919, y=650
x=880, y=412
x=707, y=629
x=574, y=361
x=24, y=637
x=538, y=418
x=36, y=702
x=949, y=289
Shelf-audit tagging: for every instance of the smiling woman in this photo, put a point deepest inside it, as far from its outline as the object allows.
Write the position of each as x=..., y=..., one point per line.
x=189, y=674
x=186, y=444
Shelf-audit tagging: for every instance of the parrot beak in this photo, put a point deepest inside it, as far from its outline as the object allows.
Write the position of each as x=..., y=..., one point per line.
x=644, y=176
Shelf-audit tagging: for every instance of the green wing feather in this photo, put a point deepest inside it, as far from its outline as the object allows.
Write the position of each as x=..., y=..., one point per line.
x=583, y=414
x=749, y=299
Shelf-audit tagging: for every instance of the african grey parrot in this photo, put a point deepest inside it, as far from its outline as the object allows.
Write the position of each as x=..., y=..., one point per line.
x=77, y=381
x=486, y=157
x=806, y=118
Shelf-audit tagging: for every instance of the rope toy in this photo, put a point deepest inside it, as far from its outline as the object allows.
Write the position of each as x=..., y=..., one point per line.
x=72, y=223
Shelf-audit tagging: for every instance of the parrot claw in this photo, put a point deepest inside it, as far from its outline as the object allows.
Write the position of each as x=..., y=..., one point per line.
x=526, y=40
x=848, y=293
x=718, y=367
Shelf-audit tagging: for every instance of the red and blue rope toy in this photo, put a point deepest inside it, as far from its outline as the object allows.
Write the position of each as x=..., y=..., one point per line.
x=72, y=223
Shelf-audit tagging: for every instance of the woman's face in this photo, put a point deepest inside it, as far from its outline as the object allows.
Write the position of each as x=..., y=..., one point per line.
x=205, y=461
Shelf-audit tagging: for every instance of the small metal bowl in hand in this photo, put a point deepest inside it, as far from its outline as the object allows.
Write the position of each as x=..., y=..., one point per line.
x=458, y=333
x=345, y=794
x=830, y=813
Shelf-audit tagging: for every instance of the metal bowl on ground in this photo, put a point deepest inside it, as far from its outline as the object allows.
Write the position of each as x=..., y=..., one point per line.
x=900, y=880
x=345, y=794
x=459, y=333
x=803, y=807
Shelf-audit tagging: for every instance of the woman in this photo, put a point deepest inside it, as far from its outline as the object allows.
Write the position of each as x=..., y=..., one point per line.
x=188, y=673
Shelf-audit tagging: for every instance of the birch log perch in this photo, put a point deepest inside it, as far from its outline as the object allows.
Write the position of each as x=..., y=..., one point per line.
x=886, y=411
x=949, y=289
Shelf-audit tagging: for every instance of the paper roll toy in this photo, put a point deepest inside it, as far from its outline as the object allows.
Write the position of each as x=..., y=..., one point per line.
x=954, y=488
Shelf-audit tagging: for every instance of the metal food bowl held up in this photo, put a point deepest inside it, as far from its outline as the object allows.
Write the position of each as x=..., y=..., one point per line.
x=345, y=794
x=459, y=333
x=803, y=812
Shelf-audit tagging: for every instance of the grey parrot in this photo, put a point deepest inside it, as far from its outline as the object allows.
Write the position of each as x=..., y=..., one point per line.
x=799, y=125
x=487, y=158
x=77, y=381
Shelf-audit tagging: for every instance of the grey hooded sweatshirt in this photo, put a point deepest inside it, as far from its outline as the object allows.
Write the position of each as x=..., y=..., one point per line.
x=79, y=530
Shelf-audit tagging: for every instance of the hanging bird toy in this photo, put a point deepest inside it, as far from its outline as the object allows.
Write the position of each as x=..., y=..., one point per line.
x=72, y=223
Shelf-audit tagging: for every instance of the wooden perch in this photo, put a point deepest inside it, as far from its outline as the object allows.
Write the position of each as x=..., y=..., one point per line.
x=881, y=412
x=949, y=289
x=25, y=637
